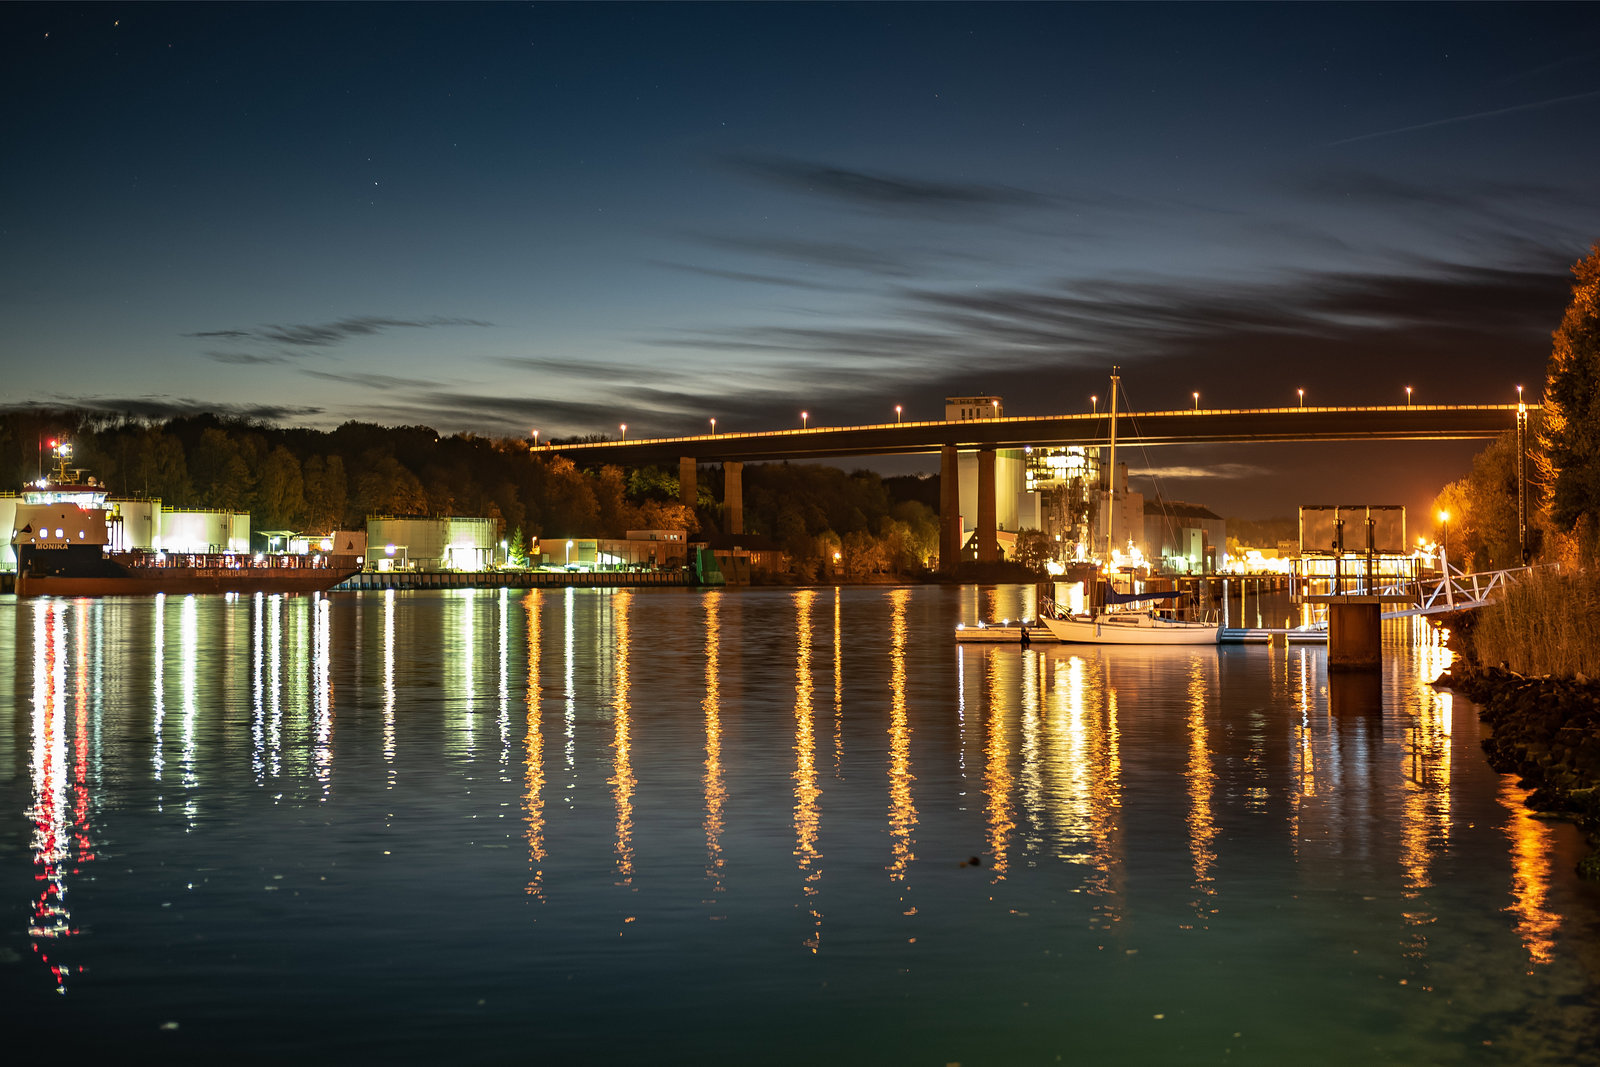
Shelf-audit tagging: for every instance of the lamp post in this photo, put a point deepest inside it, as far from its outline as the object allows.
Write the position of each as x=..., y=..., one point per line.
x=805, y=416
x=713, y=427
x=1302, y=394
x=1197, y=401
x=1444, y=559
x=624, y=431
x=536, y=439
x=897, y=409
x=995, y=406
x=1408, y=396
x=1094, y=405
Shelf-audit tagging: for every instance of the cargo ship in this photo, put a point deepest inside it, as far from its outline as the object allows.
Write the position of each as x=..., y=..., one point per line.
x=64, y=537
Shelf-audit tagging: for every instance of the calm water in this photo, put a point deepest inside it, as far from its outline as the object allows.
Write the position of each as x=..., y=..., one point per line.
x=733, y=826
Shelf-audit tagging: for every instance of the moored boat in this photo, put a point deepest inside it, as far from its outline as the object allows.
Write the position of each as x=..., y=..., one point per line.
x=1132, y=628
x=63, y=541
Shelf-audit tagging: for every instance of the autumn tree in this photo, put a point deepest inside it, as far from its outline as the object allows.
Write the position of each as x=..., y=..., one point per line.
x=1569, y=442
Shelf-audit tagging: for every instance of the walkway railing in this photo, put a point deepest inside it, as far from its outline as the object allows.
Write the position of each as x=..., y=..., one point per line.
x=1453, y=590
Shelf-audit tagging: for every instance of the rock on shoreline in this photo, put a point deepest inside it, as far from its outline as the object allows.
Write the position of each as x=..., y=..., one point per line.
x=1547, y=731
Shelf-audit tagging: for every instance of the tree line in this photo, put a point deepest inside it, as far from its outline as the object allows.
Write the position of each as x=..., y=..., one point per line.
x=1560, y=469
x=314, y=481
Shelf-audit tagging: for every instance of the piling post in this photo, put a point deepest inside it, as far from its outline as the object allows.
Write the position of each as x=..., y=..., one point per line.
x=1354, y=634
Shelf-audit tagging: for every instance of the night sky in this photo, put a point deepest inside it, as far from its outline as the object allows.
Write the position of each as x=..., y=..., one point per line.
x=504, y=217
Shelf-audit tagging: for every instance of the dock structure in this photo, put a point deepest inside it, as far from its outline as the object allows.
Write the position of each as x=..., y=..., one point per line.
x=512, y=579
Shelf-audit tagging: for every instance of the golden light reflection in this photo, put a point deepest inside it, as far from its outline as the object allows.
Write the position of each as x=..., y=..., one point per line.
x=997, y=781
x=1532, y=842
x=275, y=681
x=1083, y=739
x=1202, y=781
x=622, y=780
x=806, y=792
x=534, y=740
x=838, y=683
x=50, y=918
x=1425, y=802
x=466, y=645
x=569, y=711
x=1032, y=729
x=716, y=792
x=902, y=806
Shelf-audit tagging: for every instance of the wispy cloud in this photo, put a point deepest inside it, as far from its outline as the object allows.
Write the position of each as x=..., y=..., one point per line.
x=1473, y=117
x=292, y=341
x=892, y=193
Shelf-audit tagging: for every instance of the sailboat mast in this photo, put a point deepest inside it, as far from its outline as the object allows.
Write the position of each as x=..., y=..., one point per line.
x=1111, y=471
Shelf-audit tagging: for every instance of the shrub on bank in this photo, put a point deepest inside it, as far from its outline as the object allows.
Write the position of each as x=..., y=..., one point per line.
x=1546, y=624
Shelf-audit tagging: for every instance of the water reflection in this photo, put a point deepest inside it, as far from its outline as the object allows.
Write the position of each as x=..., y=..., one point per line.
x=622, y=780
x=902, y=806
x=1123, y=792
x=1202, y=782
x=533, y=740
x=807, y=795
x=716, y=793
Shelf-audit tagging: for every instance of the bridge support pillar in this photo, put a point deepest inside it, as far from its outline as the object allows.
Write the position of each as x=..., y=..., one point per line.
x=688, y=491
x=949, y=510
x=988, y=542
x=732, y=497
x=1354, y=634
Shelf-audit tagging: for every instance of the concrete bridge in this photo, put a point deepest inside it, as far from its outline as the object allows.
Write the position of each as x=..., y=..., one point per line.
x=948, y=438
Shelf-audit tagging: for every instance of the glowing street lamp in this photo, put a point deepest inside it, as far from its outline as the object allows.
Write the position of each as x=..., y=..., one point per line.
x=995, y=404
x=713, y=427
x=536, y=439
x=624, y=431
x=897, y=407
x=1519, y=398
x=1197, y=401
x=804, y=417
x=1408, y=396
x=1302, y=393
x=1444, y=522
x=1094, y=402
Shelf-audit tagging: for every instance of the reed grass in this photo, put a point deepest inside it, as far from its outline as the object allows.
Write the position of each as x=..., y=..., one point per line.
x=1547, y=623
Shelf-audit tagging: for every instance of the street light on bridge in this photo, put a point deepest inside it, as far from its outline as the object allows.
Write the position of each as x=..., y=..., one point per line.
x=1094, y=401
x=1408, y=396
x=1197, y=401
x=804, y=416
x=1302, y=394
x=713, y=427
x=624, y=431
x=897, y=408
x=536, y=439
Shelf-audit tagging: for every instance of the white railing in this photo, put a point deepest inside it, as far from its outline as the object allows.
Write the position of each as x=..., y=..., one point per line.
x=1454, y=590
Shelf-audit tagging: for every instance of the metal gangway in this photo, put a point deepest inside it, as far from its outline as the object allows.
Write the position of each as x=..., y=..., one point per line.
x=1455, y=591
x=1399, y=585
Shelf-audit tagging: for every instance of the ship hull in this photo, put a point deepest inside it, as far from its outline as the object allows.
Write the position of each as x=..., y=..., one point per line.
x=85, y=572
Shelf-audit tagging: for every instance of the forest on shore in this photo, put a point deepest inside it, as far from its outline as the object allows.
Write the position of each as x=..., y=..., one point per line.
x=314, y=481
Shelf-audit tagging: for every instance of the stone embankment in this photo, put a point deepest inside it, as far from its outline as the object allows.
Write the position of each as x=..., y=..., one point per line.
x=1546, y=731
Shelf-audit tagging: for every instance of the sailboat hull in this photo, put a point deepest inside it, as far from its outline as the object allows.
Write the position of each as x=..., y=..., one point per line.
x=1132, y=629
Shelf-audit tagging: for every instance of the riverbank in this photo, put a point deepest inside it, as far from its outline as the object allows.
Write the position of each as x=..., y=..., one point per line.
x=1546, y=730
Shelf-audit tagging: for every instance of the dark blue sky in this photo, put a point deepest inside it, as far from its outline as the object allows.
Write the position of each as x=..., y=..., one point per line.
x=494, y=218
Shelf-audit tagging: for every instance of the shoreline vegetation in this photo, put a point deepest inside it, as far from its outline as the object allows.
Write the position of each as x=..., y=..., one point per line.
x=1531, y=662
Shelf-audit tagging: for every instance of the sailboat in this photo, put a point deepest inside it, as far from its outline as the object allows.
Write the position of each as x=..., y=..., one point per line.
x=1129, y=626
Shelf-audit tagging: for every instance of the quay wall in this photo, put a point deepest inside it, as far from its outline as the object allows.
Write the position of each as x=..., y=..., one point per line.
x=510, y=579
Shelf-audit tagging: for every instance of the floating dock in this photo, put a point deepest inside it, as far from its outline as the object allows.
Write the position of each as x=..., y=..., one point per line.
x=1012, y=635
